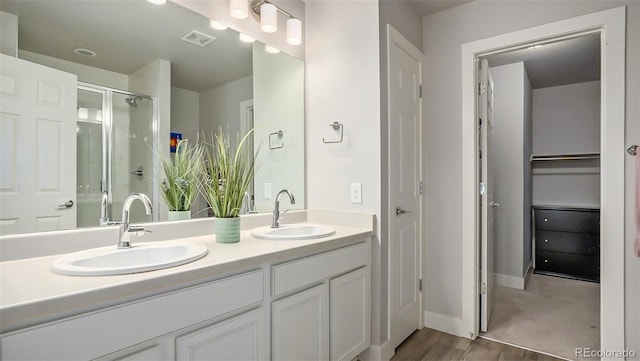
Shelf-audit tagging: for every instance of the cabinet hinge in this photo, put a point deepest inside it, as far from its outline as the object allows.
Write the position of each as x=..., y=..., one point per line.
x=420, y=285
x=420, y=187
x=420, y=91
x=483, y=288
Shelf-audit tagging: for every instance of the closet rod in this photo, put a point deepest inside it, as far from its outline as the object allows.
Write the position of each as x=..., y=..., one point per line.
x=580, y=156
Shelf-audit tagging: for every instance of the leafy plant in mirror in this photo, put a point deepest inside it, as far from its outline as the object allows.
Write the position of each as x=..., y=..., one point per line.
x=229, y=172
x=181, y=174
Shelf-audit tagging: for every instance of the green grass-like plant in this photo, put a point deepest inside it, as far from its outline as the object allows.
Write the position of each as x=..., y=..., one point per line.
x=228, y=174
x=181, y=173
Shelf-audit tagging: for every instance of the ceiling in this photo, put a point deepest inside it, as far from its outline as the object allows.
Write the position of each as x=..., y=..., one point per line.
x=428, y=7
x=570, y=61
x=129, y=34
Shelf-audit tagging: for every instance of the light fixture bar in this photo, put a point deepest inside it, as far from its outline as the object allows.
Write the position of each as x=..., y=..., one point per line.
x=255, y=7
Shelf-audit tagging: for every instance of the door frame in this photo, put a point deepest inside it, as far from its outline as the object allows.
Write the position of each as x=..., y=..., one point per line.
x=395, y=37
x=610, y=24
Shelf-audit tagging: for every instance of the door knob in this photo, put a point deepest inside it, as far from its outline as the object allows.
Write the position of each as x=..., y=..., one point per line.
x=494, y=204
x=400, y=211
x=67, y=204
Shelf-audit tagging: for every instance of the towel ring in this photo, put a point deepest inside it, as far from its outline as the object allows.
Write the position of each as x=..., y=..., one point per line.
x=633, y=150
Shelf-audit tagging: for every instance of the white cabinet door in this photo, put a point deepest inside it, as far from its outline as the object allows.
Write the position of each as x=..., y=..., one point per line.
x=37, y=147
x=160, y=349
x=349, y=299
x=300, y=325
x=239, y=338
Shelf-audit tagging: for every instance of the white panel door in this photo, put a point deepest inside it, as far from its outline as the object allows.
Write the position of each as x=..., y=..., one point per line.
x=349, y=303
x=405, y=197
x=38, y=147
x=487, y=203
x=239, y=338
x=300, y=326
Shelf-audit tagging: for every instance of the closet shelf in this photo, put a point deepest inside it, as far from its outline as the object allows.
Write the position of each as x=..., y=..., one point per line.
x=568, y=156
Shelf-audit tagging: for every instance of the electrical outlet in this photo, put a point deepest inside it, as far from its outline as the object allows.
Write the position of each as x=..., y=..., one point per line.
x=267, y=191
x=356, y=192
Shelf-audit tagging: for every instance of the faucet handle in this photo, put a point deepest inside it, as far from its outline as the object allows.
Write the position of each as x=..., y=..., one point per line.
x=138, y=230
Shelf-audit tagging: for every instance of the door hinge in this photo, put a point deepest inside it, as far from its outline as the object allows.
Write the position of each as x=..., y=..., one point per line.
x=420, y=187
x=420, y=285
x=420, y=91
x=483, y=188
x=480, y=153
x=483, y=288
x=482, y=88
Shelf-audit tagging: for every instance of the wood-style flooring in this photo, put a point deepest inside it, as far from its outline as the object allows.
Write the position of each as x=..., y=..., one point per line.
x=431, y=345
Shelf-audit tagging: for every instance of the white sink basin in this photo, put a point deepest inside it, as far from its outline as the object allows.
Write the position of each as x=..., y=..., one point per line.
x=140, y=257
x=293, y=232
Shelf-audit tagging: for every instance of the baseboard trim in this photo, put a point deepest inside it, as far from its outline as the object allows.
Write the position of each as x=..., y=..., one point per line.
x=510, y=281
x=528, y=274
x=383, y=352
x=447, y=324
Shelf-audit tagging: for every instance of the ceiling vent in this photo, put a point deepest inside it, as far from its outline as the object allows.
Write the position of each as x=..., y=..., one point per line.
x=197, y=38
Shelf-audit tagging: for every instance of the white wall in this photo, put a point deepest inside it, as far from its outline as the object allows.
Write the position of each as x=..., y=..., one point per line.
x=220, y=107
x=278, y=89
x=85, y=73
x=9, y=34
x=527, y=255
x=566, y=119
x=443, y=34
x=509, y=160
x=185, y=113
x=343, y=84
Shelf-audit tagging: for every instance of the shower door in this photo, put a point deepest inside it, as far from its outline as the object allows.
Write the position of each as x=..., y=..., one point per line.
x=115, y=153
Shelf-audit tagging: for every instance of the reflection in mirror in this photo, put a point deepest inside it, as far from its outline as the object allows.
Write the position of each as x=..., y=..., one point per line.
x=144, y=73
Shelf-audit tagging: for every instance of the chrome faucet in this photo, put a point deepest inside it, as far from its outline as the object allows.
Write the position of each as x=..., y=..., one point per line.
x=276, y=210
x=104, y=203
x=127, y=230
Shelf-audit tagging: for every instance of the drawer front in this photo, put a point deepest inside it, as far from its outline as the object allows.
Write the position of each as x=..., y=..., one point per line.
x=309, y=270
x=579, y=243
x=568, y=264
x=568, y=220
x=103, y=332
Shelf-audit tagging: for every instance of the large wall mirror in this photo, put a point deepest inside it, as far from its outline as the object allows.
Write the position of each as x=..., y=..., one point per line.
x=208, y=79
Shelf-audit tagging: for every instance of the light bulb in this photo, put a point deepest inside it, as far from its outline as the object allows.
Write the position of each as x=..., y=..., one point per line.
x=294, y=31
x=239, y=9
x=217, y=25
x=268, y=18
x=246, y=38
x=158, y=2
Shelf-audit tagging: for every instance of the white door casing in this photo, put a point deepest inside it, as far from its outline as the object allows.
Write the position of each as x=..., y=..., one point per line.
x=610, y=24
x=487, y=203
x=37, y=147
x=405, y=187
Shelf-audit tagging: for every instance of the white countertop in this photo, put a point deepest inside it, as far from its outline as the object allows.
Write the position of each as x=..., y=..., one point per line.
x=31, y=293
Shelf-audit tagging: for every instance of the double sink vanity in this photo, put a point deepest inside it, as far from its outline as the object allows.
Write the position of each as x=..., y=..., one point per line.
x=300, y=291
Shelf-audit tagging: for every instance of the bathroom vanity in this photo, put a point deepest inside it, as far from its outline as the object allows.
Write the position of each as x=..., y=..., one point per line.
x=254, y=300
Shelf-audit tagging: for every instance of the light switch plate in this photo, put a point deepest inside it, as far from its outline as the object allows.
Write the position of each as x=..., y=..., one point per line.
x=267, y=191
x=356, y=193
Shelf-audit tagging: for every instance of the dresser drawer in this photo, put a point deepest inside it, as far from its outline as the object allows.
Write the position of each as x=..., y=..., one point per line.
x=578, y=243
x=587, y=221
x=576, y=265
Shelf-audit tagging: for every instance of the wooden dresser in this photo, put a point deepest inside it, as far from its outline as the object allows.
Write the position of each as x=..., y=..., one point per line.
x=567, y=242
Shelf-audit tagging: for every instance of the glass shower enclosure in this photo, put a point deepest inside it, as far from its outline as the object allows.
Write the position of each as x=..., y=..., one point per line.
x=115, y=153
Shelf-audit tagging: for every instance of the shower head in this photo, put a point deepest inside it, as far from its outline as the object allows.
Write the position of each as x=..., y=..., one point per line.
x=133, y=101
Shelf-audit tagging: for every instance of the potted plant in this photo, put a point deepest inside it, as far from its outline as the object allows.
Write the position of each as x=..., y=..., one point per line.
x=181, y=173
x=229, y=171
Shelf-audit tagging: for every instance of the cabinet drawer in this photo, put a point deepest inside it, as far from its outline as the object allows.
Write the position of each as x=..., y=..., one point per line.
x=579, y=243
x=306, y=271
x=586, y=221
x=100, y=333
x=569, y=264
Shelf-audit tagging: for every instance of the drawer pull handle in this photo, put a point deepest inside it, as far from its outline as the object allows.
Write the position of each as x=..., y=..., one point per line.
x=546, y=241
x=546, y=220
x=546, y=261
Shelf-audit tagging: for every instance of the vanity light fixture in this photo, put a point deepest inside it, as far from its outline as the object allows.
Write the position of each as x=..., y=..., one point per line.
x=83, y=113
x=266, y=13
x=157, y=2
x=246, y=38
x=239, y=9
x=271, y=49
x=217, y=25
